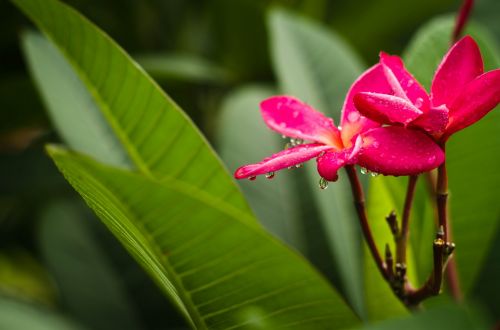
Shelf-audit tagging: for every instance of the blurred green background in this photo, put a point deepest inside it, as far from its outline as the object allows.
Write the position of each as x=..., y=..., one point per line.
x=199, y=51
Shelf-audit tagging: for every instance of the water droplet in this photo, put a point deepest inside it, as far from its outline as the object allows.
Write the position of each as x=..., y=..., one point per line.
x=374, y=174
x=299, y=165
x=288, y=145
x=295, y=114
x=270, y=175
x=252, y=178
x=418, y=102
x=364, y=171
x=353, y=116
x=431, y=159
x=323, y=184
x=410, y=83
x=283, y=136
x=376, y=144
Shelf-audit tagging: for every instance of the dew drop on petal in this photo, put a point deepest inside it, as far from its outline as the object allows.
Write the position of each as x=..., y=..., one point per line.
x=295, y=114
x=252, y=178
x=283, y=136
x=353, y=116
x=299, y=165
x=364, y=171
x=410, y=83
x=418, y=102
x=270, y=175
x=431, y=159
x=323, y=184
x=374, y=174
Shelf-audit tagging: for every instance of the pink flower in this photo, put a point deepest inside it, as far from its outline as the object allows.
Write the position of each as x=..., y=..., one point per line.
x=359, y=140
x=461, y=93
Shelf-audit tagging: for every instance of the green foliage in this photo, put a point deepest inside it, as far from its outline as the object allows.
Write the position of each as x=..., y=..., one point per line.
x=117, y=84
x=17, y=315
x=89, y=285
x=220, y=271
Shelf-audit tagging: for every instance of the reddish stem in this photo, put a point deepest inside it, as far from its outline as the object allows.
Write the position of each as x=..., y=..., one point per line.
x=359, y=203
x=402, y=239
x=462, y=18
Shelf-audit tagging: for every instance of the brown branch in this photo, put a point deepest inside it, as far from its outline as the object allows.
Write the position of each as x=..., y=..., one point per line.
x=359, y=203
x=402, y=238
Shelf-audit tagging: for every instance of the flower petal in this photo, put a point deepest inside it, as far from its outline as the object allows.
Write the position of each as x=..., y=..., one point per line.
x=399, y=151
x=478, y=98
x=330, y=162
x=459, y=66
x=402, y=82
x=291, y=117
x=353, y=123
x=386, y=109
x=434, y=120
x=281, y=160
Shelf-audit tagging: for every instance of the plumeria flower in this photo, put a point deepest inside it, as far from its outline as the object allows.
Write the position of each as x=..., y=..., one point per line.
x=358, y=140
x=461, y=93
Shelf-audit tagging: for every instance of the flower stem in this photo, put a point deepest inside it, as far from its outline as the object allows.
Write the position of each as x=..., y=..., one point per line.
x=359, y=203
x=462, y=18
x=443, y=220
x=402, y=238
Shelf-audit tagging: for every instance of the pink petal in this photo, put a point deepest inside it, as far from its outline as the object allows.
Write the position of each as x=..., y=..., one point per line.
x=353, y=123
x=434, y=120
x=295, y=119
x=402, y=82
x=477, y=98
x=330, y=162
x=459, y=66
x=399, y=151
x=386, y=109
x=281, y=160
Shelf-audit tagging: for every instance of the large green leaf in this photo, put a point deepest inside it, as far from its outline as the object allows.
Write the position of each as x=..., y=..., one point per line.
x=16, y=315
x=316, y=66
x=156, y=136
x=243, y=138
x=447, y=317
x=222, y=272
x=472, y=155
x=92, y=290
x=385, y=195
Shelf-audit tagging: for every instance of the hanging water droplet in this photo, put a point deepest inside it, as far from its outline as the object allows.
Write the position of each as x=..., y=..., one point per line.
x=252, y=178
x=298, y=165
x=288, y=145
x=270, y=175
x=418, y=102
x=323, y=184
x=374, y=174
x=364, y=171
x=283, y=136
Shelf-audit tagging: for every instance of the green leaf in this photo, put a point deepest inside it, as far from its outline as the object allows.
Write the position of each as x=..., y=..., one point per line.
x=318, y=67
x=385, y=195
x=71, y=107
x=472, y=154
x=158, y=138
x=243, y=138
x=91, y=289
x=17, y=315
x=183, y=67
x=22, y=277
x=221, y=271
x=445, y=317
